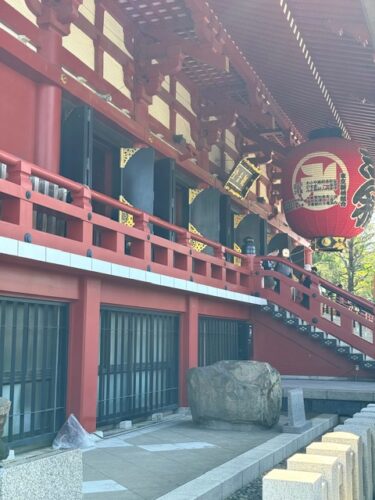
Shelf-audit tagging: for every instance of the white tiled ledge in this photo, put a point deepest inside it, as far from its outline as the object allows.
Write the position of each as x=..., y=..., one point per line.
x=9, y=246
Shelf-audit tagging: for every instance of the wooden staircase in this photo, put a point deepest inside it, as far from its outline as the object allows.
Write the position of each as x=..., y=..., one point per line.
x=333, y=318
x=322, y=337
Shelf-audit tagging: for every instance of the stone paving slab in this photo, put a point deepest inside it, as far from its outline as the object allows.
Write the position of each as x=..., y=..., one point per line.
x=159, y=459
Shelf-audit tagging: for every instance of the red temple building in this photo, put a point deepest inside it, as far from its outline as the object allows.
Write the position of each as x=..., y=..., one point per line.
x=141, y=142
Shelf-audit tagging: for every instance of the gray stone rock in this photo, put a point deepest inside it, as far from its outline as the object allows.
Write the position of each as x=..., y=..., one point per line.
x=235, y=391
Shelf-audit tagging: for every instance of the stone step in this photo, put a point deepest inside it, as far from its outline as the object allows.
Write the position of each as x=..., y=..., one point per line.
x=279, y=314
x=367, y=364
x=316, y=334
x=356, y=356
x=303, y=328
x=343, y=349
x=327, y=340
x=291, y=321
x=268, y=308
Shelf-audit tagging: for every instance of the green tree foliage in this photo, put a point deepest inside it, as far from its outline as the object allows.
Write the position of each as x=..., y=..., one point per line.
x=354, y=268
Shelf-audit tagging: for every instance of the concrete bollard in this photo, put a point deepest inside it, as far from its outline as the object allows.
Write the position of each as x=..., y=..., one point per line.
x=345, y=456
x=365, y=434
x=365, y=415
x=328, y=466
x=370, y=423
x=368, y=409
x=294, y=485
x=356, y=444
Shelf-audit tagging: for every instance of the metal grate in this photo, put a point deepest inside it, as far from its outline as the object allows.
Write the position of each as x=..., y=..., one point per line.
x=33, y=351
x=221, y=339
x=44, y=219
x=138, y=368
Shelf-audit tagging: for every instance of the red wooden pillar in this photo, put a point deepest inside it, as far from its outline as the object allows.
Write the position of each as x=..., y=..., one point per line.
x=188, y=344
x=48, y=119
x=48, y=126
x=84, y=354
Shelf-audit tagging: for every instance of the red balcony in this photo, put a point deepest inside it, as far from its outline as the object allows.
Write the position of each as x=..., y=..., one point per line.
x=47, y=209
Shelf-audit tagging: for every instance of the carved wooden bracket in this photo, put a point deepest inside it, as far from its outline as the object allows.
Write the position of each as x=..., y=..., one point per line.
x=160, y=52
x=57, y=15
x=210, y=129
x=188, y=152
x=274, y=213
x=214, y=114
x=207, y=25
x=273, y=187
x=150, y=73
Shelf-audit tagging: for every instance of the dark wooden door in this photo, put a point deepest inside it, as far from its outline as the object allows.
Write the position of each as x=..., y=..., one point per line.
x=77, y=145
x=164, y=194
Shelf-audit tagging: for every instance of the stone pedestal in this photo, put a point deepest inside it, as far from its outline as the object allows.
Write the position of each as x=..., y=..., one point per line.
x=345, y=456
x=368, y=409
x=356, y=444
x=365, y=434
x=294, y=485
x=328, y=466
x=370, y=423
x=4, y=410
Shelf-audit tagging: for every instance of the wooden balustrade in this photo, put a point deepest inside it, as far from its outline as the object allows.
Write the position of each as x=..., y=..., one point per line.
x=96, y=235
x=343, y=315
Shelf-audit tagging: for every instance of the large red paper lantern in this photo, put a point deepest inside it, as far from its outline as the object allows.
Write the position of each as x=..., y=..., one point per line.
x=328, y=190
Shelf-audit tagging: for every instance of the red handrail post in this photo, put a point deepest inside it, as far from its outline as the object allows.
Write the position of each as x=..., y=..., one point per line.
x=142, y=248
x=254, y=268
x=346, y=322
x=315, y=303
x=183, y=238
x=252, y=263
x=20, y=210
x=82, y=229
x=142, y=222
x=219, y=252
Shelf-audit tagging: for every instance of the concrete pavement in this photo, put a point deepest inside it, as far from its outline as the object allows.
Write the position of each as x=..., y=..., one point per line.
x=148, y=463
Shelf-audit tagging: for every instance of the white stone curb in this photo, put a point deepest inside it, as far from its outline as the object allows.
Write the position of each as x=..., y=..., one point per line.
x=219, y=483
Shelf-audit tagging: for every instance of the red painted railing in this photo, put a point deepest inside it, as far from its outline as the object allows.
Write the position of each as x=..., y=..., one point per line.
x=345, y=316
x=86, y=228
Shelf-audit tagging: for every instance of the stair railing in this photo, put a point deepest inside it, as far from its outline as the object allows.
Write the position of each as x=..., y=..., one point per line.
x=318, y=302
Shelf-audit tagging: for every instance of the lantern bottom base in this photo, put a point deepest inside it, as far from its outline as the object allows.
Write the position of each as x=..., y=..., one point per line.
x=329, y=244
